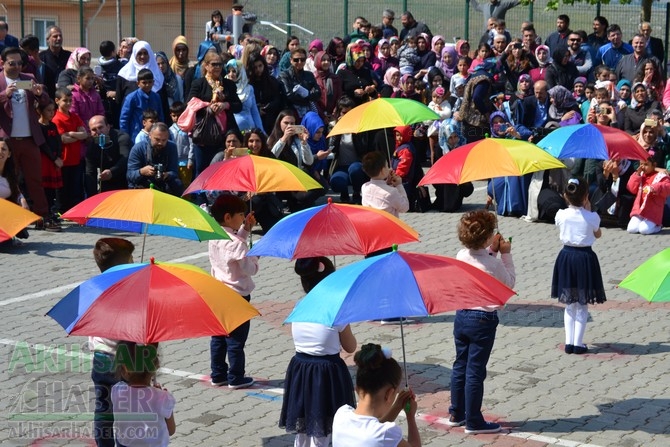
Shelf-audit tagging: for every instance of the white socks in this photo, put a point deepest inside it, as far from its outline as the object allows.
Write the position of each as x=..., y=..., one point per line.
x=575, y=317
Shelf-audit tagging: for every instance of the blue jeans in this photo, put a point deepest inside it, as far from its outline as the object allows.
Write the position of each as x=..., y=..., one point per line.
x=348, y=175
x=474, y=334
x=104, y=378
x=233, y=346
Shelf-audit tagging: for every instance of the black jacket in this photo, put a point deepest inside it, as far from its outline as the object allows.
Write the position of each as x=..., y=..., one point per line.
x=114, y=157
x=201, y=89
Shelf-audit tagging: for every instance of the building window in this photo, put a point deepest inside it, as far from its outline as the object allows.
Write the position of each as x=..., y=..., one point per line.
x=40, y=27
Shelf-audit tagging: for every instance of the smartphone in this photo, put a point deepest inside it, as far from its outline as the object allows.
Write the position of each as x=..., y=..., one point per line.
x=299, y=129
x=240, y=151
x=502, y=128
x=650, y=122
x=24, y=85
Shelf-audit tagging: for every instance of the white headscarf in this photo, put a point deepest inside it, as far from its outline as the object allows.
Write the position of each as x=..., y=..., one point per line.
x=132, y=68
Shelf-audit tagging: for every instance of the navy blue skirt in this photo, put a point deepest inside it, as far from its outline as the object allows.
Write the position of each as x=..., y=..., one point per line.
x=314, y=388
x=577, y=277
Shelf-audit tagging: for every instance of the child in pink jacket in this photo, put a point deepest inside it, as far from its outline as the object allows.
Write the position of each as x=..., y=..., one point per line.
x=652, y=188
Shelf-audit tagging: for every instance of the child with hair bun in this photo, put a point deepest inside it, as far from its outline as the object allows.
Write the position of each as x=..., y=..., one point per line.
x=577, y=280
x=370, y=424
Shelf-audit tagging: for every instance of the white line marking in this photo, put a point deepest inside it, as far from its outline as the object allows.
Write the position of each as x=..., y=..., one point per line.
x=69, y=287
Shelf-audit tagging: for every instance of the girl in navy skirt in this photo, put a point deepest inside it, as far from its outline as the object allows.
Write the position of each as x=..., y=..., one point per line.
x=317, y=380
x=577, y=280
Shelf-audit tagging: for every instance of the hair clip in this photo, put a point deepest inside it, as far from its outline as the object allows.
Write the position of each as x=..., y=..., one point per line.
x=322, y=267
x=387, y=352
x=573, y=181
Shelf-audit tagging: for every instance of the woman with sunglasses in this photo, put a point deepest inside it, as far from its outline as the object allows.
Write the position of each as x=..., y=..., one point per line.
x=302, y=91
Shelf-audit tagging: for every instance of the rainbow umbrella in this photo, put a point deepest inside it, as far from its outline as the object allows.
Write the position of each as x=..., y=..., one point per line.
x=13, y=218
x=489, y=158
x=592, y=141
x=333, y=229
x=152, y=302
x=651, y=279
x=398, y=284
x=382, y=113
x=254, y=174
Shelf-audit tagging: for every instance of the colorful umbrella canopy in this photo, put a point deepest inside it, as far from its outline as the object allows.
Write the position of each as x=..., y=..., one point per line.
x=489, y=158
x=333, y=229
x=152, y=302
x=592, y=141
x=382, y=113
x=398, y=284
x=252, y=173
x=652, y=278
x=147, y=211
x=13, y=218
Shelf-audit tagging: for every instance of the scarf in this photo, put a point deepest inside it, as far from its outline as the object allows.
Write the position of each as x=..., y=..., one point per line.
x=132, y=68
x=171, y=82
x=73, y=60
x=354, y=52
x=175, y=65
x=548, y=61
x=523, y=93
x=243, y=88
x=387, y=79
x=448, y=70
x=434, y=41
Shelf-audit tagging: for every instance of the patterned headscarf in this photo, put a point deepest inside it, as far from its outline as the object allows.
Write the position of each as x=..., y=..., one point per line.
x=354, y=52
x=170, y=81
x=73, y=61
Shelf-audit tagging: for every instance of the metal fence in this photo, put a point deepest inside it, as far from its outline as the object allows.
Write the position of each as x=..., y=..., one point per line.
x=88, y=22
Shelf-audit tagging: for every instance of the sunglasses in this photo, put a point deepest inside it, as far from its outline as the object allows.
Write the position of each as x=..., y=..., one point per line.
x=299, y=59
x=216, y=64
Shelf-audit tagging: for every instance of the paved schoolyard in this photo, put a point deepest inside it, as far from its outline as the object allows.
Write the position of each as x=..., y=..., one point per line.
x=617, y=395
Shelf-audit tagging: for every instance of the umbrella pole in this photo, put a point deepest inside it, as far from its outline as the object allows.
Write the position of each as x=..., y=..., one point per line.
x=251, y=210
x=388, y=148
x=144, y=241
x=404, y=358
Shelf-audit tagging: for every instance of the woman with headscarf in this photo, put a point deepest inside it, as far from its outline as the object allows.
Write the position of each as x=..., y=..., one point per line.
x=543, y=61
x=330, y=84
x=249, y=117
x=314, y=47
x=510, y=194
x=448, y=61
x=640, y=106
x=267, y=89
x=337, y=51
x=449, y=197
x=317, y=143
x=195, y=72
x=436, y=46
x=384, y=55
x=476, y=106
x=407, y=88
x=179, y=59
x=174, y=84
x=271, y=55
x=513, y=106
x=427, y=57
x=373, y=62
x=391, y=84
x=79, y=58
x=564, y=109
x=142, y=57
x=395, y=43
x=562, y=70
x=356, y=78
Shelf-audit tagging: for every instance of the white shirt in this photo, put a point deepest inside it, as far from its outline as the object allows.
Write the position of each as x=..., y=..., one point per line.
x=392, y=199
x=316, y=339
x=230, y=263
x=485, y=260
x=351, y=429
x=155, y=403
x=577, y=226
x=20, y=118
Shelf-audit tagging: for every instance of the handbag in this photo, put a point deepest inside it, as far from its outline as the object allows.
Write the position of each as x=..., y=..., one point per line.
x=207, y=131
x=186, y=120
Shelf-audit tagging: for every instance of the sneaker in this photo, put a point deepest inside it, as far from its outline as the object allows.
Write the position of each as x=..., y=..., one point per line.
x=244, y=382
x=454, y=422
x=52, y=226
x=224, y=383
x=488, y=427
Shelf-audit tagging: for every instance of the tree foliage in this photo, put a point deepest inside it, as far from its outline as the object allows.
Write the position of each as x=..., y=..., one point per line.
x=645, y=7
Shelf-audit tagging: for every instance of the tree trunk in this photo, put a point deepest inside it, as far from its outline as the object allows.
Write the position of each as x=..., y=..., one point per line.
x=645, y=11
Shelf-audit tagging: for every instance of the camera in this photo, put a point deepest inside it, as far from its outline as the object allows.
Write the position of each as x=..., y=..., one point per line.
x=517, y=45
x=159, y=169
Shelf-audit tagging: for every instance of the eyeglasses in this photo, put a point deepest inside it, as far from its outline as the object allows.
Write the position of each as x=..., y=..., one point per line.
x=216, y=64
x=573, y=40
x=14, y=63
x=299, y=59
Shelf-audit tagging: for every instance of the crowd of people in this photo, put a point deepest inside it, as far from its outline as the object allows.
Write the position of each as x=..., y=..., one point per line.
x=72, y=128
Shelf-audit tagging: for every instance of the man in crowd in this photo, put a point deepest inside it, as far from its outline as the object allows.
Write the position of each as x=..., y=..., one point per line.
x=534, y=111
x=529, y=38
x=654, y=44
x=55, y=57
x=106, y=157
x=388, y=16
x=6, y=40
x=560, y=36
x=411, y=27
x=630, y=63
x=155, y=161
x=611, y=53
x=580, y=56
x=357, y=33
x=599, y=36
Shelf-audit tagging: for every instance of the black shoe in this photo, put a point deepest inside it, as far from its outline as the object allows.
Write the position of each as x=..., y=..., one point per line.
x=488, y=427
x=356, y=199
x=344, y=197
x=569, y=349
x=581, y=349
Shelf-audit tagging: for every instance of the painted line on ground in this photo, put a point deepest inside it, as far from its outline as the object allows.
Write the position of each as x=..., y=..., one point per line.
x=69, y=287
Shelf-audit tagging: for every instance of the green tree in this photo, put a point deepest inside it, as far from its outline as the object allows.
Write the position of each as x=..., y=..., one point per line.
x=645, y=8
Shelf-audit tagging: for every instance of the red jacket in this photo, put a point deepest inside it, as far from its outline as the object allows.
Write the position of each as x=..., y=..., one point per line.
x=649, y=204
